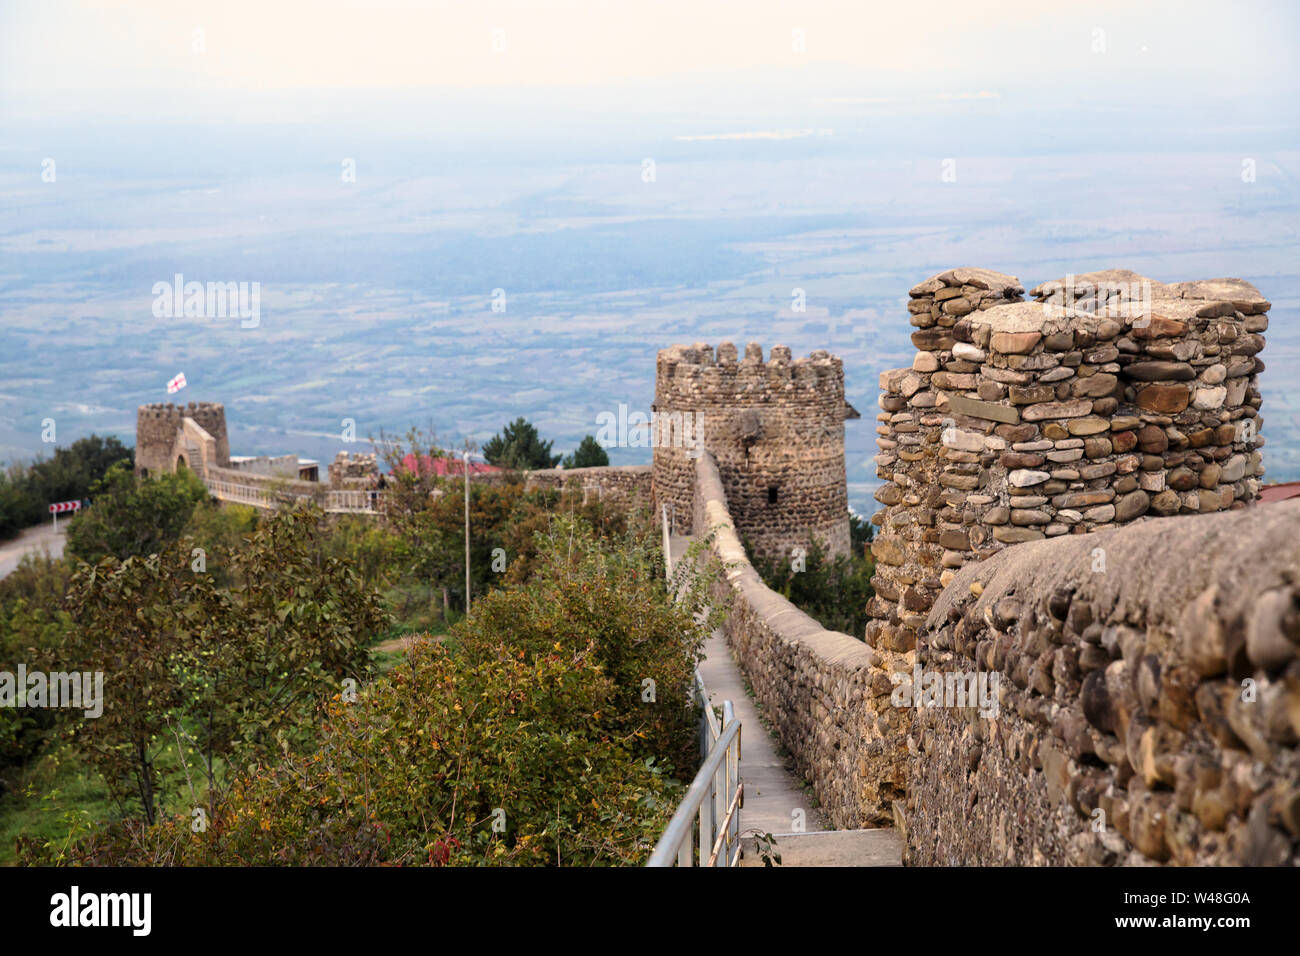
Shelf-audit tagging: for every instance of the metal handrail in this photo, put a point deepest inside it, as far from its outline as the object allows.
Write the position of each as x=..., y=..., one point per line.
x=716, y=795
x=668, y=546
x=712, y=804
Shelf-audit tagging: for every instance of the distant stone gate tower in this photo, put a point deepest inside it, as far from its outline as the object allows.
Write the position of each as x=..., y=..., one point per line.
x=167, y=434
x=776, y=429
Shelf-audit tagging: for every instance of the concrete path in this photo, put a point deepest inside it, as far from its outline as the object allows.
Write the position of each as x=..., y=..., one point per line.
x=772, y=793
x=776, y=801
x=39, y=538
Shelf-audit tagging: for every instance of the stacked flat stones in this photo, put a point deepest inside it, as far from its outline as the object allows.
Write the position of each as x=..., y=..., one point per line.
x=776, y=428
x=349, y=470
x=1025, y=420
x=913, y=405
x=156, y=430
x=1149, y=713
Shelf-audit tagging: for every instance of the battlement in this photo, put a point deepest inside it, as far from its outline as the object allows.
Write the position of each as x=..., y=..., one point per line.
x=160, y=443
x=727, y=378
x=1109, y=397
x=170, y=409
x=776, y=429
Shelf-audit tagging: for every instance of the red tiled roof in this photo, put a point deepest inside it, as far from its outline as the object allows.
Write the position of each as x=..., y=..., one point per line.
x=1282, y=492
x=444, y=467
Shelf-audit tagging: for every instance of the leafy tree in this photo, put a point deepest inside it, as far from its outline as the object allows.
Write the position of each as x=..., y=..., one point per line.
x=519, y=448
x=134, y=517
x=72, y=472
x=832, y=590
x=588, y=454
x=132, y=619
x=861, y=532
x=234, y=673
x=25, y=493
x=407, y=490
x=527, y=738
x=18, y=508
x=33, y=630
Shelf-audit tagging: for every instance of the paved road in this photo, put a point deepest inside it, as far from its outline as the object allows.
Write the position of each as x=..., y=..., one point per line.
x=40, y=538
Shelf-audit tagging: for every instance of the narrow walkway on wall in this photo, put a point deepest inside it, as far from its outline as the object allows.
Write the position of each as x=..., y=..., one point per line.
x=776, y=800
x=774, y=797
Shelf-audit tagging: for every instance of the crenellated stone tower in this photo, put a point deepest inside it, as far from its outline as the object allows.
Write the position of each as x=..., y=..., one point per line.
x=162, y=438
x=776, y=429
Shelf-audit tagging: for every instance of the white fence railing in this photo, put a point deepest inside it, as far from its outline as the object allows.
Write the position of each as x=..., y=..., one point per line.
x=350, y=501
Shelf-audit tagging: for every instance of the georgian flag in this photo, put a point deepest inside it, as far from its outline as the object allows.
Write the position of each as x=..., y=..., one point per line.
x=176, y=384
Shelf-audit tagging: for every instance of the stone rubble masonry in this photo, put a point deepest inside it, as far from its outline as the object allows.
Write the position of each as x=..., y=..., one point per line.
x=354, y=470
x=622, y=485
x=1027, y=420
x=776, y=430
x=1149, y=712
x=911, y=543
x=826, y=694
x=161, y=436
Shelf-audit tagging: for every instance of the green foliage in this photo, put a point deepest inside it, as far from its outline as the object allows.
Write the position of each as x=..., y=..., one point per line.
x=231, y=671
x=588, y=454
x=18, y=508
x=528, y=738
x=518, y=447
x=33, y=629
x=832, y=590
x=134, y=517
x=70, y=475
x=861, y=533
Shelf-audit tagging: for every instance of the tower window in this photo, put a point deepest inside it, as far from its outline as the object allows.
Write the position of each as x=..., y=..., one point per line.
x=771, y=495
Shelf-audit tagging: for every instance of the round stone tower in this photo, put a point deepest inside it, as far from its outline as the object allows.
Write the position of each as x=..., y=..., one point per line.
x=776, y=429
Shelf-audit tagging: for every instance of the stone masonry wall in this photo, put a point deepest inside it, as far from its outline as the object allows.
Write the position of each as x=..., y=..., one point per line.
x=825, y=693
x=776, y=429
x=621, y=485
x=353, y=470
x=157, y=426
x=1023, y=420
x=914, y=408
x=1149, y=685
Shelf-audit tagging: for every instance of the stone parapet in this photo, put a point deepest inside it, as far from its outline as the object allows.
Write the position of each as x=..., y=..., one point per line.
x=825, y=693
x=1149, y=700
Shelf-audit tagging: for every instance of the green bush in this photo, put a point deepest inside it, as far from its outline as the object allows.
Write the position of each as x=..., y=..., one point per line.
x=70, y=475
x=588, y=454
x=235, y=672
x=832, y=590
x=134, y=517
x=530, y=737
x=34, y=630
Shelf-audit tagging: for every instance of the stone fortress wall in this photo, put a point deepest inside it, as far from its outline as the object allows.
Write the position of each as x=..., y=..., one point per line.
x=167, y=434
x=776, y=431
x=825, y=694
x=1123, y=732
x=616, y=485
x=1024, y=420
x=1149, y=685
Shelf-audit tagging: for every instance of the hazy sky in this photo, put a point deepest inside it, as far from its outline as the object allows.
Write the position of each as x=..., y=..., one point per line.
x=141, y=59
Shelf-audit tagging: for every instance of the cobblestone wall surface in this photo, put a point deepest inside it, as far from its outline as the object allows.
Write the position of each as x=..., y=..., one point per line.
x=1149, y=711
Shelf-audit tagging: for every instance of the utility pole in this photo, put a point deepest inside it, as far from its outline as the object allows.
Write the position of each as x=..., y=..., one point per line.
x=467, y=530
x=469, y=446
